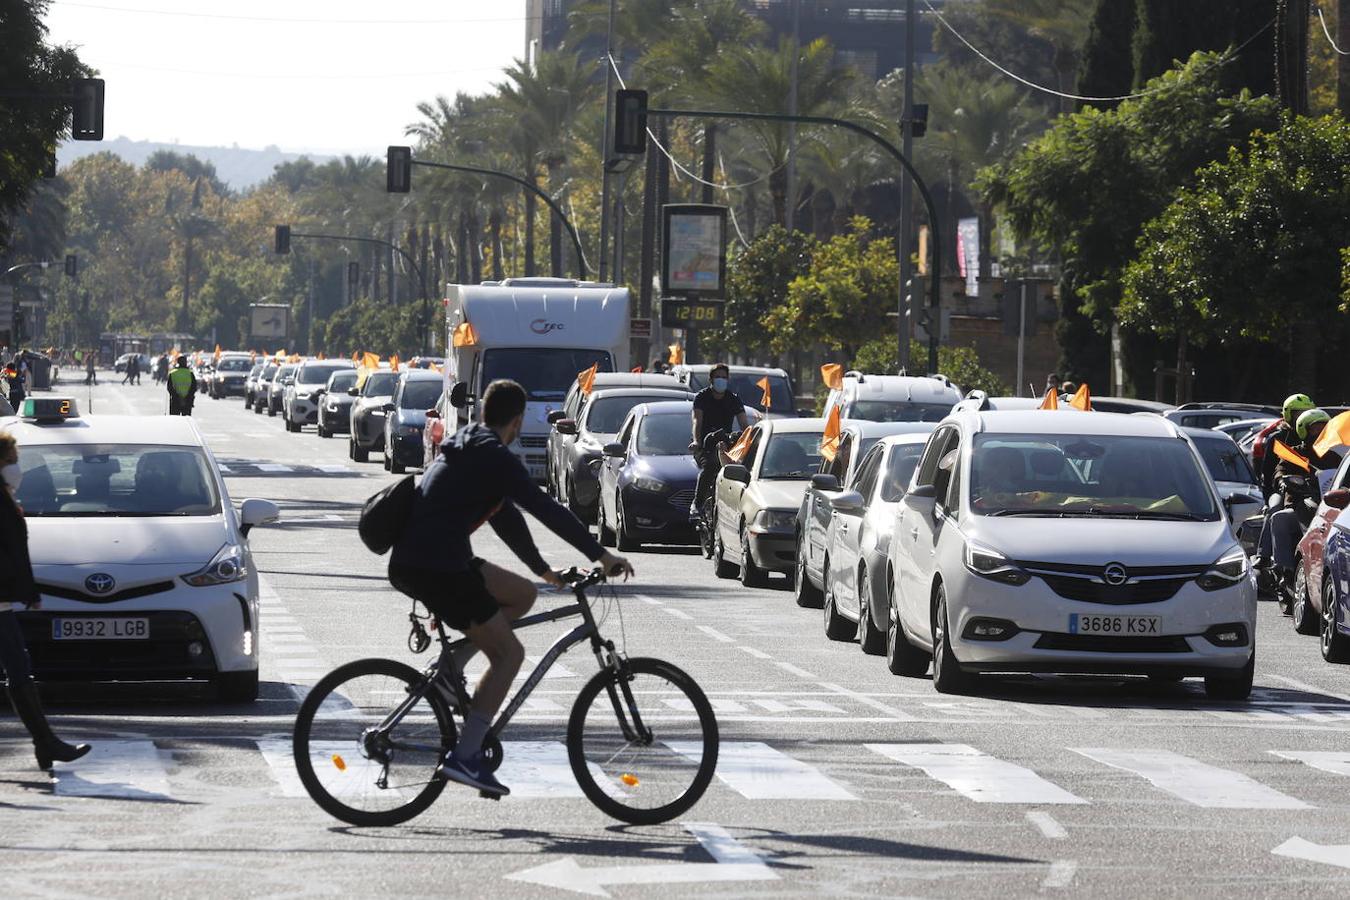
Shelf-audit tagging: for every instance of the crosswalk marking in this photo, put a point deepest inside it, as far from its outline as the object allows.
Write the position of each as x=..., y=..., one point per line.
x=537, y=770
x=975, y=774
x=757, y=771
x=782, y=706
x=117, y=769
x=1335, y=761
x=1194, y=781
x=281, y=762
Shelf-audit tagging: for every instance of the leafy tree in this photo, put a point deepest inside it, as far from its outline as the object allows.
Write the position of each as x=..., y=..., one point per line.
x=30, y=126
x=960, y=364
x=367, y=325
x=758, y=279
x=190, y=166
x=1254, y=251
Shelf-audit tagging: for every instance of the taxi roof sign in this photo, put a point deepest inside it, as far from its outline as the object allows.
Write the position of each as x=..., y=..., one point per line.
x=49, y=409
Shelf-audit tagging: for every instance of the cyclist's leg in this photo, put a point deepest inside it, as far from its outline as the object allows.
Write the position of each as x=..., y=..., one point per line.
x=514, y=594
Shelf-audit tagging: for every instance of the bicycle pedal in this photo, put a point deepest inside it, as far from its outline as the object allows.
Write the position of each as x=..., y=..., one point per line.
x=488, y=795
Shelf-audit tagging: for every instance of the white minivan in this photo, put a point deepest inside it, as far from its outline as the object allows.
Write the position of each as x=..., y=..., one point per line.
x=1054, y=541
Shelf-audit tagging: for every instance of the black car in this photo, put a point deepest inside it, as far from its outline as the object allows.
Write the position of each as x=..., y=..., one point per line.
x=647, y=478
x=335, y=404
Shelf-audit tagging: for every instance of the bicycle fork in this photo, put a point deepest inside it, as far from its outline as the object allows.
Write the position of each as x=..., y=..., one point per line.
x=634, y=731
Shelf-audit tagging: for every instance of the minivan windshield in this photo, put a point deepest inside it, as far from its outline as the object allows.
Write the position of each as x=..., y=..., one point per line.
x=116, y=480
x=606, y=414
x=545, y=372
x=234, y=364
x=311, y=373
x=268, y=372
x=1069, y=475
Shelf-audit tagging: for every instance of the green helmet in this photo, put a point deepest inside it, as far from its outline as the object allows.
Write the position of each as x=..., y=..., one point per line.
x=1295, y=405
x=1308, y=420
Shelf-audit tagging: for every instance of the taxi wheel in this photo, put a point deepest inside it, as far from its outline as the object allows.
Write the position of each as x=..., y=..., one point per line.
x=837, y=628
x=902, y=657
x=808, y=595
x=237, y=687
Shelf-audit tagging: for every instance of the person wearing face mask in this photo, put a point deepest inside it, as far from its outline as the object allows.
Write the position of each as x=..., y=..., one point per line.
x=476, y=479
x=17, y=587
x=716, y=408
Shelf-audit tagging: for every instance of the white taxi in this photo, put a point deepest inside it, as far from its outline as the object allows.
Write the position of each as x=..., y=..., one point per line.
x=141, y=558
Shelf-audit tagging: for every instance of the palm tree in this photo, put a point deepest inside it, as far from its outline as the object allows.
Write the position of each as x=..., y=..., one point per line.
x=1063, y=24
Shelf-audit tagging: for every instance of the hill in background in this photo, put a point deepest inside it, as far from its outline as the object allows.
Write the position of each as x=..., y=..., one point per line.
x=237, y=167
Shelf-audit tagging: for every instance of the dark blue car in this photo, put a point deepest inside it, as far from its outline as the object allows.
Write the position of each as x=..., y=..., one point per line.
x=1336, y=592
x=647, y=478
x=406, y=416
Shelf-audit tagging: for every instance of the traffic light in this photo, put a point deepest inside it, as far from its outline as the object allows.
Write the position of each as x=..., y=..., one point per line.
x=630, y=123
x=283, y=239
x=918, y=121
x=86, y=122
x=72, y=265
x=398, y=170
x=914, y=292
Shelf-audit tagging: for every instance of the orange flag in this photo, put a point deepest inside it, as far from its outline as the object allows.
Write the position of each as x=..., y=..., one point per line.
x=393, y=362
x=370, y=361
x=1082, y=399
x=217, y=353
x=833, y=375
x=637, y=370
x=356, y=357
x=767, y=399
x=1051, y=400
x=586, y=378
x=1336, y=433
x=741, y=447
x=676, y=354
x=464, y=335
x=1288, y=454
x=321, y=356
x=829, y=441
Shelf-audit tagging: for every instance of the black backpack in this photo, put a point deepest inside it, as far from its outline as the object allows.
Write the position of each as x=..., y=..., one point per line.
x=385, y=515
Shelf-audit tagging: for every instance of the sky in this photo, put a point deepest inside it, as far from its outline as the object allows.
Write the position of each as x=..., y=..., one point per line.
x=317, y=76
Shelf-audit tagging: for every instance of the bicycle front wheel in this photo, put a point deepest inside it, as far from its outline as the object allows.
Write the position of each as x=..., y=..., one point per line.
x=643, y=745
x=365, y=750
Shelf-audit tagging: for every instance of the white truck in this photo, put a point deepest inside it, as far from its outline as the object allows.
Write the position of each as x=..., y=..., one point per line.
x=541, y=332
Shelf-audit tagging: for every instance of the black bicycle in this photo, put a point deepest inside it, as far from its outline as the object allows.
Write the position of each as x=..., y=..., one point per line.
x=641, y=738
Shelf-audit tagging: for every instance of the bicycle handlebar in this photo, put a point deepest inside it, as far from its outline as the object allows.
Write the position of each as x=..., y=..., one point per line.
x=579, y=579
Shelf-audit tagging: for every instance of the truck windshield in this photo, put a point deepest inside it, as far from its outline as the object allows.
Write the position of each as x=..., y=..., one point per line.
x=545, y=373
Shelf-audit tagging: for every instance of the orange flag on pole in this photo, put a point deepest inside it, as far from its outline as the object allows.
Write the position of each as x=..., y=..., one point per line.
x=370, y=360
x=1082, y=399
x=829, y=440
x=1051, y=400
x=586, y=378
x=676, y=354
x=1336, y=433
x=393, y=362
x=833, y=375
x=741, y=447
x=767, y=399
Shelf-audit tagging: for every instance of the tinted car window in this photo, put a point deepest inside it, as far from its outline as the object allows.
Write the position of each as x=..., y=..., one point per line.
x=897, y=411
x=606, y=415
x=342, y=380
x=743, y=385
x=234, y=365
x=380, y=384
x=664, y=435
x=269, y=372
x=1225, y=461
x=420, y=394
x=316, y=374
x=792, y=455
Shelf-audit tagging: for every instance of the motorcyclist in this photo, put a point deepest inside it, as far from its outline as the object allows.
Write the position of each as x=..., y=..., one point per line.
x=1297, y=494
x=1282, y=430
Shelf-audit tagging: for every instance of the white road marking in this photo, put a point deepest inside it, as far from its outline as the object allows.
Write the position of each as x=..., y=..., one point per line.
x=537, y=770
x=280, y=759
x=757, y=771
x=720, y=705
x=288, y=656
x=755, y=652
x=1047, y=825
x=792, y=705
x=1330, y=854
x=715, y=634
x=117, y=769
x=650, y=601
x=794, y=670
x=273, y=467
x=1335, y=761
x=977, y=775
x=677, y=613
x=1194, y=781
x=898, y=714
x=1310, y=688
x=1061, y=873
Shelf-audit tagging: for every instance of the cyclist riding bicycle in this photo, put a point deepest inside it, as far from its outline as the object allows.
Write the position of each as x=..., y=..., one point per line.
x=716, y=408
x=475, y=479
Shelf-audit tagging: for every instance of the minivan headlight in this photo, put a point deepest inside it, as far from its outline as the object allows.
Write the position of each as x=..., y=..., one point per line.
x=227, y=566
x=1228, y=571
x=989, y=563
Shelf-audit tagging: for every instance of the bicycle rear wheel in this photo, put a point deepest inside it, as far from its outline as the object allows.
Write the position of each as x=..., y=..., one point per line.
x=359, y=761
x=643, y=748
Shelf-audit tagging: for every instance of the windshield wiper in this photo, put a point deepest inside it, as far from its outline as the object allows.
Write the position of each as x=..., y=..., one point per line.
x=1049, y=513
x=1169, y=516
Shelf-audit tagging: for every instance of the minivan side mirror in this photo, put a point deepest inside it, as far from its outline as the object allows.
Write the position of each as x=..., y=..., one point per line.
x=460, y=397
x=825, y=482
x=257, y=512
x=736, y=472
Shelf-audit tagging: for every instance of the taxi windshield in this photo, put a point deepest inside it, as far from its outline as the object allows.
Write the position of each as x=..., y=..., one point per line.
x=116, y=480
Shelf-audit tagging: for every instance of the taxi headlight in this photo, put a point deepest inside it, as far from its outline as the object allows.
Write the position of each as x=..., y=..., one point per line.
x=989, y=563
x=227, y=566
x=1228, y=571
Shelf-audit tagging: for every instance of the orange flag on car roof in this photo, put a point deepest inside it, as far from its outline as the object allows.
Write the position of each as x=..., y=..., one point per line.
x=829, y=440
x=321, y=356
x=1082, y=399
x=1336, y=433
x=637, y=370
x=676, y=354
x=1051, y=400
x=767, y=399
x=586, y=378
x=741, y=447
x=393, y=362
x=370, y=360
x=833, y=375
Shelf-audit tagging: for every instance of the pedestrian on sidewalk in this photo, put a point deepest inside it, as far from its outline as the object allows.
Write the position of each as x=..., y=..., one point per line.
x=182, y=388
x=90, y=373
x=18, y=587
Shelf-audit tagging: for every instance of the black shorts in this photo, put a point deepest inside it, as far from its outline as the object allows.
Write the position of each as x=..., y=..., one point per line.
x=458, y=599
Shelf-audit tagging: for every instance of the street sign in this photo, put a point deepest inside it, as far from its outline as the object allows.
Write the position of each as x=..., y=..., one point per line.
x=640, y=329
x=694, y=250
x=269, y=320
x=676, y=313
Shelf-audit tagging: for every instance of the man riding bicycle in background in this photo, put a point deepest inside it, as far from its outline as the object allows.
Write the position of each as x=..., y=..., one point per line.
x=716, y=408
x=475, y=479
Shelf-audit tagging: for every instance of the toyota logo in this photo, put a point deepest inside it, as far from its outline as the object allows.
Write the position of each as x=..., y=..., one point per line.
x=1114, y=574
x=100, y=583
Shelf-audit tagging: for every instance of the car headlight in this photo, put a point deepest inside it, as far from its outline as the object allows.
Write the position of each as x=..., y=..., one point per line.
x=989, y=563
x=412, y=430
x=1228, y=571
x=776, y=520
x=227, y=566
x=655, y=485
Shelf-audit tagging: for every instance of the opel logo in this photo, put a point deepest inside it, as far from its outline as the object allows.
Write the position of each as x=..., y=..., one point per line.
x=99, y=583
x=1114, y=574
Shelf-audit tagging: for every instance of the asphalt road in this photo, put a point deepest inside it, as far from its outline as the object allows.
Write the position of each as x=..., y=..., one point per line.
x=836, y=777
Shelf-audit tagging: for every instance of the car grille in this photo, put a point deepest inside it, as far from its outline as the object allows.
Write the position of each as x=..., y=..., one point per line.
x=534, y=441
x=1110, y=643
x=1151, y=584
x=164, y=654
x=131, y=593
x=681, y=499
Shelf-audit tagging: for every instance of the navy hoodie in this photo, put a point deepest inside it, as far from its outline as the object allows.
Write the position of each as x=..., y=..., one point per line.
x=475, y=479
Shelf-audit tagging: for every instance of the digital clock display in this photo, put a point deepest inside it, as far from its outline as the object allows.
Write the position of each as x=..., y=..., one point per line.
x=692, y=313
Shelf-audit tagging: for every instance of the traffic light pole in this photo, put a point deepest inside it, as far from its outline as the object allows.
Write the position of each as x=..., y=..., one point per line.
x=582, y=266
x=421, y=279
x=935, y=287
